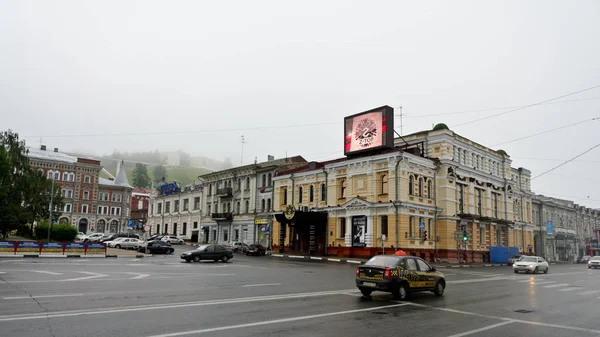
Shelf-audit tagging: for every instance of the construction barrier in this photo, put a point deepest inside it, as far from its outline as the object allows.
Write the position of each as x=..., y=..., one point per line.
x=53, y=248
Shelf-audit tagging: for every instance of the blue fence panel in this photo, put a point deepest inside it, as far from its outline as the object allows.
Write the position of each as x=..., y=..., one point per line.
x=501, y=254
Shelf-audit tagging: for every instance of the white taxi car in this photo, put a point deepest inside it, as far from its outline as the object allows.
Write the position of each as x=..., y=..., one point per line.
x=531, y=264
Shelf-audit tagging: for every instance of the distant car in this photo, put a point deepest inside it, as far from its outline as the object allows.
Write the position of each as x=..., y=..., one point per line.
x=256, y=249
x=95, y=237
x=114, y=243
x=513, y=259
x=584, y=259
x=208, y=252
x=172, y=240
x=240, y=247
x=399, y=275
x=594, y=262
x=81, y=237
x=531, y=264
x=126, y=243
x=157, y=247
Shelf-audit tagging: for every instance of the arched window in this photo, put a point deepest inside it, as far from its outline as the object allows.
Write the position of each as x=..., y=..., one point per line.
x=228, y=207
x=269, y=179
x=50, y=174
x=411, y=187
x=268, y=205
x=210, y=189
x=311, y=194
x=420, y=187
x=264, y=180
x=247, y=183
x=239, y=185
x=247, y=207
x=343, y=189
x=57, y=175
x=262, y=205
x=429, y=191
x=384, y=184
x=323, y=193
x=65, y=176
x=300, y=194
x=237, y=208
x=208, y=210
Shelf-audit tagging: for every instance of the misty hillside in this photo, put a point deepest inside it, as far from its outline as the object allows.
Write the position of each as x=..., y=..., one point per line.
x=183, y=175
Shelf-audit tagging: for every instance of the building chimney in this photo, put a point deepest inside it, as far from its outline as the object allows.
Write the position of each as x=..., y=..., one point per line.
x=43, y=148
x=55, y=149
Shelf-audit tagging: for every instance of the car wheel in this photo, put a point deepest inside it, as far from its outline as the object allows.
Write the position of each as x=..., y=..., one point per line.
x=196, y=258
x=216, y=260
x=248, y=254
x=535, y=271
x=439, y=288
x=118, y=246
x=187, y=260
x=589, y=267
x=366, y=292
x=401, y=292
x=546, y=270
x=516, y=271
x=171, y=251
x=225, y=258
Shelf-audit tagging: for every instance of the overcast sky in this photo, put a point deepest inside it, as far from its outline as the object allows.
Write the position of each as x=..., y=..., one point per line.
x=197, y=75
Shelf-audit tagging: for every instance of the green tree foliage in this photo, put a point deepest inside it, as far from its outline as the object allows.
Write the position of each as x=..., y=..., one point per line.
x=24, y=193
x=140, y=176
x=158, y=173
x=59, y=232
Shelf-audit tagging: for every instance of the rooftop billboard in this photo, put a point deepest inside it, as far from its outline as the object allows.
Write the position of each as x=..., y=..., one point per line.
x=369, y=130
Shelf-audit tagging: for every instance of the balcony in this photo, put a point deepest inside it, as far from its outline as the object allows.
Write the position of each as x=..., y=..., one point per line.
x=226, y=192
x=222, y=216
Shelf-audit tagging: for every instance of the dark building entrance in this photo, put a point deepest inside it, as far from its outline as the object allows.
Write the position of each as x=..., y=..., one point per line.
x=306, y=232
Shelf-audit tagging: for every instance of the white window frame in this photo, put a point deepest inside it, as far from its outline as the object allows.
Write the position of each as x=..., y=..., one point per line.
x=85, y=209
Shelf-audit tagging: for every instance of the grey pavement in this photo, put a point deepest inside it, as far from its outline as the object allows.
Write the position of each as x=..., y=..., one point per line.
x=162, y=296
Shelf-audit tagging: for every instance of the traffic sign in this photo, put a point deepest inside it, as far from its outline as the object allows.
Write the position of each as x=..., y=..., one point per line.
x=422, y=225
x=146, y=228
x=130, y=223
x=383, y=237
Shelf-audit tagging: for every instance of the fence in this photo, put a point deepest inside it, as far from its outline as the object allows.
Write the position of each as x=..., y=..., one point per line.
x=52, y=248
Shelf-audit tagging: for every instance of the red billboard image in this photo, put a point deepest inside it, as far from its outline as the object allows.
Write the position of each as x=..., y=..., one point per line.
x=369, y=130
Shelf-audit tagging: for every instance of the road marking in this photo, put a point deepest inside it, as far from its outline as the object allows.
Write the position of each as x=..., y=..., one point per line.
x=353, y=261
x=542, y=282
x=277, y=321
x=139, y=276
x=262, y=285
x=45, y=272
x=100, y=311
x=120, y=279
x=556, y=285
x=589, y=292
x=41, y=296
x=93, y=275
x=489, y=327
x=569, y=289
x=334, y=260
x=468, y=313
x=477, y=280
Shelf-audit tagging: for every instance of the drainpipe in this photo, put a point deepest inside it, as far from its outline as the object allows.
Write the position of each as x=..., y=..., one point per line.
x=396, y=199
x=272, y=210
x=505, y=192
x=326, y=202
x=435, y=212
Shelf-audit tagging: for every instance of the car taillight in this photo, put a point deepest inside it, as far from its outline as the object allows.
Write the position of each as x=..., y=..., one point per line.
x=357, y=271
x=387, y=274
x=256, y=249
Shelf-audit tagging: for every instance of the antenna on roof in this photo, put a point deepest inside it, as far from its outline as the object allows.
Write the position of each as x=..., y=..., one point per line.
x=243, y=141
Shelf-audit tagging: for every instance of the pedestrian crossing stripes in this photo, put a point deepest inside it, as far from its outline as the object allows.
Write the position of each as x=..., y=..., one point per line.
x=562, y=287
x=556, y=285
x=569, y=289
x=589, y=292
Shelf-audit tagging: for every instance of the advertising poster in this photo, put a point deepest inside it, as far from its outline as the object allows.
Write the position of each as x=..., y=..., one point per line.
x=96, y=248
x=52, y=247
x=7, y=246
x=359, y=229
x=364, y=132
x=28, y=247
x=74, y=247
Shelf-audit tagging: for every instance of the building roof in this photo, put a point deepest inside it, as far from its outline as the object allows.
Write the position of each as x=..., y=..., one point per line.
x=51, y=155
x=270, y=163
x=120, y=181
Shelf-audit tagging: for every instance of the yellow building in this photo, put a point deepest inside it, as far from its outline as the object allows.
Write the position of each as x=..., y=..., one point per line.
x=421, y=197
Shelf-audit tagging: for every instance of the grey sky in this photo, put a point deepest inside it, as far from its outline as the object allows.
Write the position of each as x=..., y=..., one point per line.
x=125, y=67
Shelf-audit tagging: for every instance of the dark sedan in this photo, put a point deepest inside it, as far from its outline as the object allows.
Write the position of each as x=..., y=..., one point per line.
x=156, y=247
x=208, y=252
x=256, y=249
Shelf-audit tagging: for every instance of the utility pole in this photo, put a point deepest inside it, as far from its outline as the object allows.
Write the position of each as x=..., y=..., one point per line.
x=50, y=208
x=243, y=141
x=401, y=125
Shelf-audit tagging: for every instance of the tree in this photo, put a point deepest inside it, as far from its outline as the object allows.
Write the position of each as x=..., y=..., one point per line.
x=158, y=173
x=14, y=176
x=140, y=176
x=37, y=198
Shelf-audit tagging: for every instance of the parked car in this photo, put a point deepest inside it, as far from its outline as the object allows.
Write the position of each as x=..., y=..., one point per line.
x=208, y=252
x=240, y=247
x=256, y=249
x=81, y=237
x=114, y=243
x=594, y=262
x=95, y=237
x=513, y=259
x=172, y=240
x=127, y=243
x=584, y=259
x=531, y=264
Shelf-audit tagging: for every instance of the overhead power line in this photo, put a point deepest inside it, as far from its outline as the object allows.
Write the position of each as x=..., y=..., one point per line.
x=566, y=162
x=557, y=159
x=526, y=106
x=547, y=131
x=492, y=109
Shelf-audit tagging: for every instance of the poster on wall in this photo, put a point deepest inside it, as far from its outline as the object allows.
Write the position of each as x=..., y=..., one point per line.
x=359, y=229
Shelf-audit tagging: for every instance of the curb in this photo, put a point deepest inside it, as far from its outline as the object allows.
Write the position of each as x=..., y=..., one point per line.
x=69, y=256
x=316, y=258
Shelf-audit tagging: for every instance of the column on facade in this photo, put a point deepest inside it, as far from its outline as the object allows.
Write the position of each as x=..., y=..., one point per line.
x=488, y=203
x=348, y=237
x=472, y=205
x=369, y=234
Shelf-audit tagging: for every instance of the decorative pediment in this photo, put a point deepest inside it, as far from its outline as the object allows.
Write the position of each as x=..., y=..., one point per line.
x=356, y=203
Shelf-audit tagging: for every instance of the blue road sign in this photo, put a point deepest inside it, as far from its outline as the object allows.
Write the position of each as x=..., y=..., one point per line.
x=549, y=227
x=422, y=225
x=130, y=223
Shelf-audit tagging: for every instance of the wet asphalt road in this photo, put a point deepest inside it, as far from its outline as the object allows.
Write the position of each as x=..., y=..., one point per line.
x=250, y=296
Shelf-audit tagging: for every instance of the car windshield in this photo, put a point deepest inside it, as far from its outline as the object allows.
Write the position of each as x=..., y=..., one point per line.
x=529, y=259
x=382, y=261
x=596, y=258
x=516, y=257
x=201, y=248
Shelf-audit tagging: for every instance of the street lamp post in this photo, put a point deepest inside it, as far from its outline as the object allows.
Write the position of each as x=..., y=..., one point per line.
x=50, y=208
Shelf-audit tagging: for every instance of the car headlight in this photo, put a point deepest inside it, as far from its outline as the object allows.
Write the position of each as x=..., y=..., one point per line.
x=590, y=262
x=530, y=266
